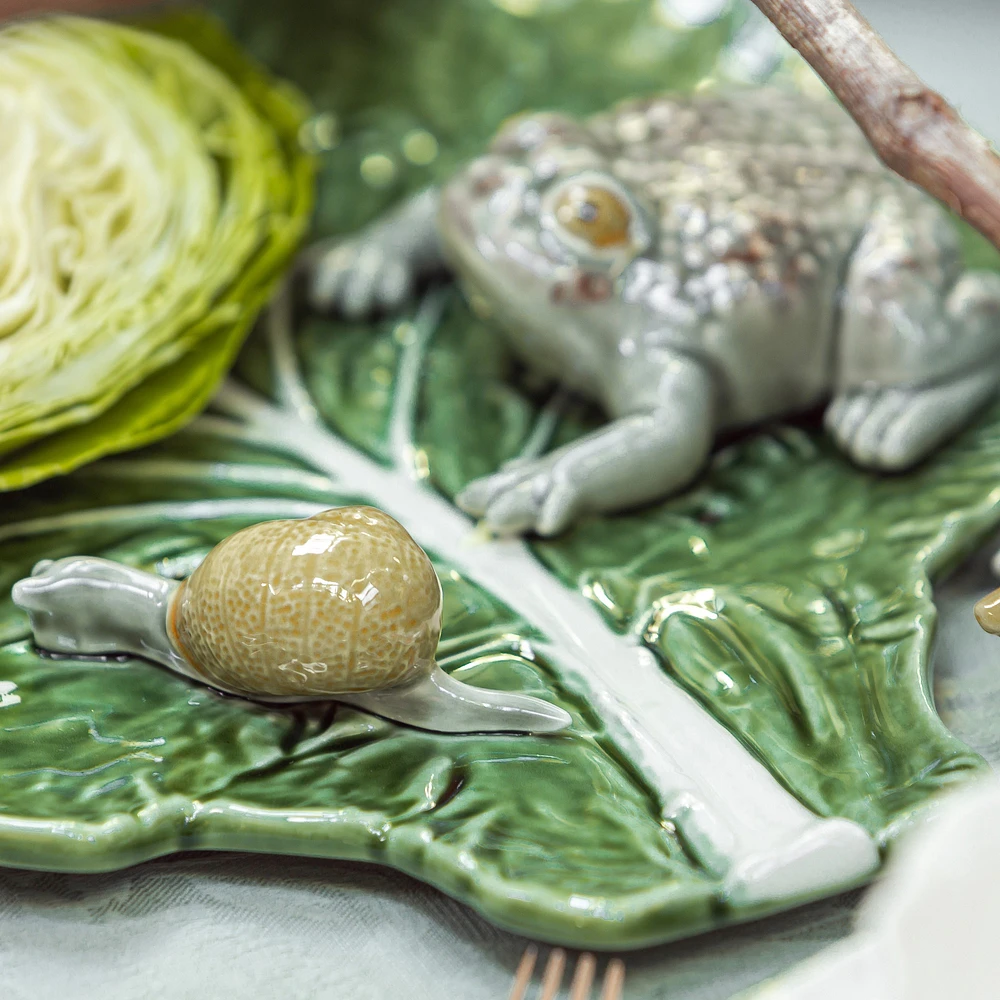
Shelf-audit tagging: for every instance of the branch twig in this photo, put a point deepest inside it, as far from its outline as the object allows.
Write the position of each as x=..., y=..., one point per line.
x=912, y=128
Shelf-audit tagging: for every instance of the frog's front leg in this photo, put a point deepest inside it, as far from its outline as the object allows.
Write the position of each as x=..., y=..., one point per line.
x=377, y=269
x=662, y=428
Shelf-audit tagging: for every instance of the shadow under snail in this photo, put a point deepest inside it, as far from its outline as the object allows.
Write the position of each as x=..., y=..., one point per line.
x=342, y=606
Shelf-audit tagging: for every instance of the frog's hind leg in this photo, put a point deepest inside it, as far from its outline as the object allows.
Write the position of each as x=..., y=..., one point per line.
x=919, y=340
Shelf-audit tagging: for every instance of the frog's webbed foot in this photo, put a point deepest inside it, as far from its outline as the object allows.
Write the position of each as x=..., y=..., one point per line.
x=361, y=277
x=537, y=496
x=892, y=429
x=377, y=270
x=657, y=444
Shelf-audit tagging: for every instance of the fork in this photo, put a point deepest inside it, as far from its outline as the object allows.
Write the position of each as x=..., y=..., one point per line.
x=583, y=978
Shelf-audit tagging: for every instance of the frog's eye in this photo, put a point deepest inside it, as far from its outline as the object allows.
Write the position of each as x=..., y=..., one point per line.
x=593, y=213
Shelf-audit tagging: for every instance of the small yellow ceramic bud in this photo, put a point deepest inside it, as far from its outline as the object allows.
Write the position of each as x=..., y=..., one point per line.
x=344, y=601
x=987, y=612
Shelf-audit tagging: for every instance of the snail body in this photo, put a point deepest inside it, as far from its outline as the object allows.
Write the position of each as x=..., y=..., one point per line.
x=343, y=605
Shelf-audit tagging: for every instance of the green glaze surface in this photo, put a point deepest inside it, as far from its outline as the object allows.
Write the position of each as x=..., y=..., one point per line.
x=108, y=763
x=790, y=595
x=788, y=592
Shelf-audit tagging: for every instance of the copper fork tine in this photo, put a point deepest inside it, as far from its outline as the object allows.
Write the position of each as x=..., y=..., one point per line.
x=583, y=977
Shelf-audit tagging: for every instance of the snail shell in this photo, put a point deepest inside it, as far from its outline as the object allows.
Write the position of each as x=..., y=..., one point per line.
x=344, y=601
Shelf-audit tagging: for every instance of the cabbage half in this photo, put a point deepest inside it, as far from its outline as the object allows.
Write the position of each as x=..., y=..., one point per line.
x=149, y=199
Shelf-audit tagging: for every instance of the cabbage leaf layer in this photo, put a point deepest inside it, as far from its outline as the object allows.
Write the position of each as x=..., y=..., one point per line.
x=154, y=190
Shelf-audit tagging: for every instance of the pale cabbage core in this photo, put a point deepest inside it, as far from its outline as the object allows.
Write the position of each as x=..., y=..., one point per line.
x=131, y=197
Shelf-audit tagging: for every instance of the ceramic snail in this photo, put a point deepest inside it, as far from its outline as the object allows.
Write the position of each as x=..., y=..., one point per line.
x=692, y=264
x=343, y=605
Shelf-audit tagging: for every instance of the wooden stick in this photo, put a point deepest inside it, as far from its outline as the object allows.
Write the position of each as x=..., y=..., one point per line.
x=912, y=128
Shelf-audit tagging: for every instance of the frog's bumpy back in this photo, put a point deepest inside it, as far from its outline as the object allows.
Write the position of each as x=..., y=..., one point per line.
x=778, y=161
x=341, y=602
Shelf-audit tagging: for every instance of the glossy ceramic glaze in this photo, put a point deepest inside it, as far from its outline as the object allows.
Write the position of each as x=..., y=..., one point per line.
x=745, y=665
x=987, y=611
x=694, y=263
x=342, y=604
x=931, y=904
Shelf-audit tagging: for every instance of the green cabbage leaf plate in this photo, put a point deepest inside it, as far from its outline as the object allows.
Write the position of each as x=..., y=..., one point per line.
x=817, y=575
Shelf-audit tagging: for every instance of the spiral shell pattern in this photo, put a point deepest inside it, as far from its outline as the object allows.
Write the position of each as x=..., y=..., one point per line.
x=344, y=601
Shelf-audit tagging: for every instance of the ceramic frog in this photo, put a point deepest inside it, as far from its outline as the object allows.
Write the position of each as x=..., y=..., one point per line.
x=695, y=263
